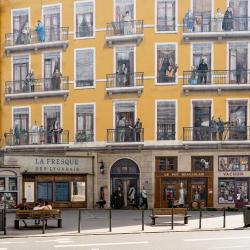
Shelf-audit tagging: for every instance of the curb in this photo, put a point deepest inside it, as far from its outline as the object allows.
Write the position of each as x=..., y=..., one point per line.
x=119, y=233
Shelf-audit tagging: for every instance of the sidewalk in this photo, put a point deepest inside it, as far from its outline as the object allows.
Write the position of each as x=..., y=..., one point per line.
x=125, y=221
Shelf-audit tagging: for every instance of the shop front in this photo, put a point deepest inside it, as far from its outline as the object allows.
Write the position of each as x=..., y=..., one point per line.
x=62, y=181
x=194, y=188
x=234, y=180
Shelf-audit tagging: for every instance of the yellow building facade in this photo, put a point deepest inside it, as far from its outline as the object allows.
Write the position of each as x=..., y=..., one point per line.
x=74, y=85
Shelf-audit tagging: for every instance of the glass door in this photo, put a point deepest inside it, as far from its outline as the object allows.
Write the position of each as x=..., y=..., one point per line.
x=20, y=23
x=20, y=73
x=52, y=27
x=241, y=193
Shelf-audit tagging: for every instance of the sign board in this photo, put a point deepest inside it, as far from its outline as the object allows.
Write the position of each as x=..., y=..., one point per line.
x=42, y=164
x=29, y=191
x=235, y=174
x=185, y=174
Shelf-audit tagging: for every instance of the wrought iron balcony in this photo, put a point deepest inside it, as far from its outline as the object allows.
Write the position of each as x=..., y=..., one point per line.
x=196, y=80
x=36, y=138
x=198, y=27
x=125, y=83
x=84, y=136
x=30, y=40
x=124, y=31
x=229, y=133
x=166, y=132
x=43, y=87
x=125, y=135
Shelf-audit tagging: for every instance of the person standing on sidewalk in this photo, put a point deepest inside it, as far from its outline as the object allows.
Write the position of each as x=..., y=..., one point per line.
x=144, y=196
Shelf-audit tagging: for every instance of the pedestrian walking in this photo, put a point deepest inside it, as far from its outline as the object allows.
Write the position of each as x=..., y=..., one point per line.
x=144, y=197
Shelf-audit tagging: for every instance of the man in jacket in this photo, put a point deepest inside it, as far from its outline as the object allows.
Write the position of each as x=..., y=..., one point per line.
x=202, y=72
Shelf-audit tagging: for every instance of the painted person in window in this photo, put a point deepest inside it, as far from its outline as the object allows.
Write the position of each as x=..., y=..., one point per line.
x=202, y=72
x=29, y=82
x=144, y=196
x=40, y=31
x=219, y=20
x=228, y=21
x=16, y=134
x=23, y=206
x=102, y=200
x=127, y=24
x=56, y=79
x=137, y=129
x=189, y=20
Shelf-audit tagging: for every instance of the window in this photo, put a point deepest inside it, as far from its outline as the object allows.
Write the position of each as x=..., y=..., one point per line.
x=20, y=22
x=122, y=7
x=21, y=125
x=238, y=63
x=166, y=164
x=84, y=123
x=234, y=163
x=233, y=191
x=2, y=184
x=166, y=115
x=166, y=63
x=202, y=51
x=84, y=60
x=51, y=18
x=51, y=65
x=125, y=67
x=62, y=191
x=201, y=164
x=202, y=10
x=166, y=19
x=44, y=191
x=125, y=111
x=78, y=190
x=199, y=189
x=84, y=12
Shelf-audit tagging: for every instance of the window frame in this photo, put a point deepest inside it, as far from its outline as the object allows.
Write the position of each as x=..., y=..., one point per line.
x=156, y=65
x=94, y=20
x=176, y=20
x=94, y=68
x=173, y=158
x=211, y=161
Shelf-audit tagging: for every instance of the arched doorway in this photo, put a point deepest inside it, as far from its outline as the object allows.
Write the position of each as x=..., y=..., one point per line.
x=125, y=184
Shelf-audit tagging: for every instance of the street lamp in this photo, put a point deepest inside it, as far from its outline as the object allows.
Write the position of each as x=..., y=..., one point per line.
x=101, y=167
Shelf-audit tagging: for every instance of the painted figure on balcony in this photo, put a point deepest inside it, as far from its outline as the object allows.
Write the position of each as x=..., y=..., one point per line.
x=219, y=20
x=213, y=129
x=26, y=33
x=221, y=128
x=122, y=75
x=16, y=134
x=29, y=82
x=137, y=129
x=35, y=135
x=202, y=72
x=56, y=79
x=128, y=28
x=228, y=21
x=189, y=20
x=42, y=134
x=121, y=129
x=239, y=71
x=40, y=31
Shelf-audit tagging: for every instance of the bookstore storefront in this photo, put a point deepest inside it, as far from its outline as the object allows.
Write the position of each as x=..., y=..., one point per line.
x=195, y=186
x=62, y=181
x=233, y=180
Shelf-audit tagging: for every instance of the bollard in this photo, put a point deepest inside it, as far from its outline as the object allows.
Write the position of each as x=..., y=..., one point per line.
x=110, y=216
x=172, y=219
x=43, y=225
x=142, y=219
x=4, y=221
x=79, y=221
x=224, y=217
x=200, y=218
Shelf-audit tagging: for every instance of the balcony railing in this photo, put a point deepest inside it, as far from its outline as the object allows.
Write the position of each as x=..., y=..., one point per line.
x=84, y=136
x=166, y=132
x=20, y=40
x=238, y=79
x=125, y=135
x=36, y=138
x=131, y=82
x=207, y=24
x=125, y=31
x=37, y=87
x=229, y=133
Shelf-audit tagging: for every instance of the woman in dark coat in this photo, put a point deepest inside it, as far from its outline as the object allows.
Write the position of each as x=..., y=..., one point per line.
x=227, y=24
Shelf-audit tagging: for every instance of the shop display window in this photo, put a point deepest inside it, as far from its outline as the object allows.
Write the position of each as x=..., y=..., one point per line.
x=226, y=191
x=198, y=189
x=12, y=183
x=78, y=190
x=61, y=191
x=241, y=191
x=201, y=164
x=44, y=191
x=166, y=164
x=2, y=184
x=235, y=163
x=8, y=199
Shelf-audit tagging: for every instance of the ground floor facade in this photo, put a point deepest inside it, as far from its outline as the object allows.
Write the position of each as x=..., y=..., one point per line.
x=71, y=179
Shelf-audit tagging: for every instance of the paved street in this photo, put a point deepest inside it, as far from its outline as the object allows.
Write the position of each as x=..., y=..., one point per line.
x=126, y=221
x=235, y=240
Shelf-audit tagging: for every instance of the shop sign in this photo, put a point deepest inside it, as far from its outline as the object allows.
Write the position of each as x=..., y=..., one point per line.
x=233, y=174
x=52, y=164
x=185, y=174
